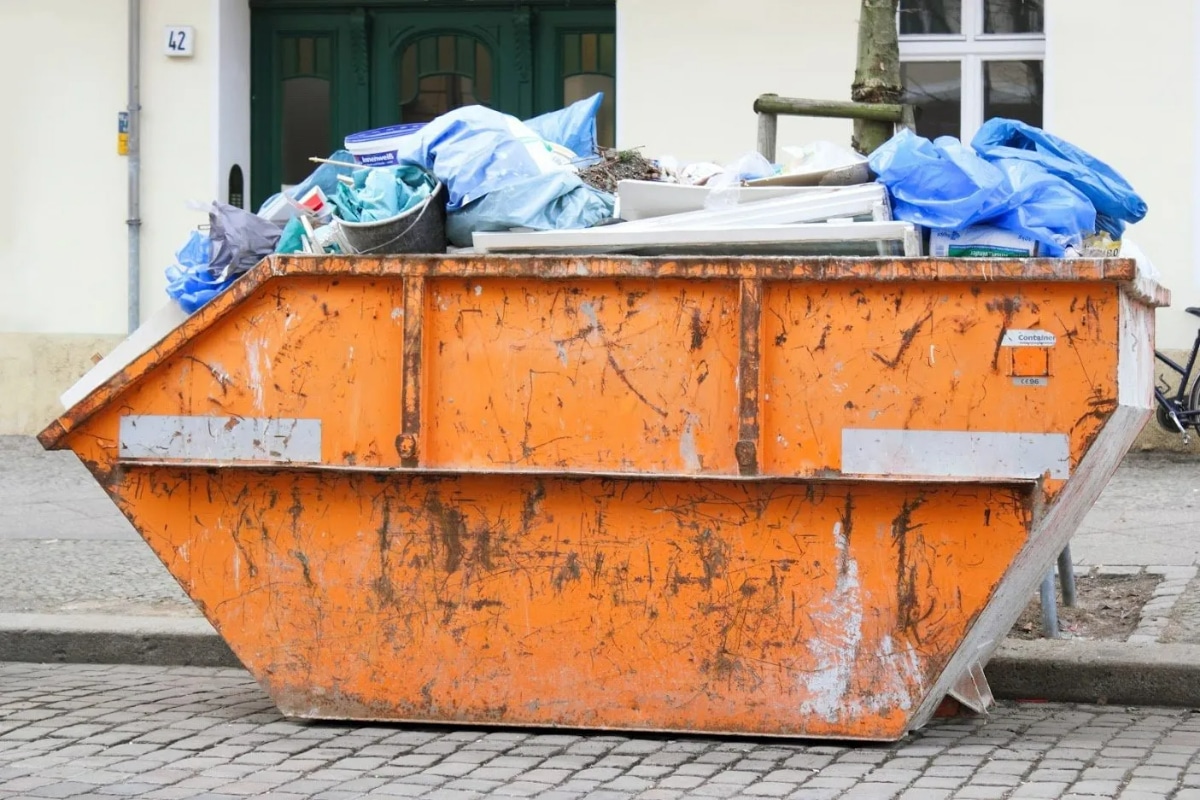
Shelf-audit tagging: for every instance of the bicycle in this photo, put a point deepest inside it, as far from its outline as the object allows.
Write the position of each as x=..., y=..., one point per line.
x=1177, y=412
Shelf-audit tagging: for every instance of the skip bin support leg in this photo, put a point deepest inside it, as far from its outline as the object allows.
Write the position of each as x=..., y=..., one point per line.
x=1049, y=607
x=1066, y=576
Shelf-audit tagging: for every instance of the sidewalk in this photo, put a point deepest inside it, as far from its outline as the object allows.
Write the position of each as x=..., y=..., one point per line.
x=78, y=584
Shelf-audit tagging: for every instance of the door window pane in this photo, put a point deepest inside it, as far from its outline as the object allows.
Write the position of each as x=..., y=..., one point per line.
x=935, y=89
x=589, y=66
x=442, y=73
x=1013, y=16
x=305, y=125
x=437, y=94
x=306, y=104
x=577, y=87
x=1013, y=89
x=931, y=16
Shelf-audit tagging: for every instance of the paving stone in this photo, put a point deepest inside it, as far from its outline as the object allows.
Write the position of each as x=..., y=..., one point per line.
x=768, y=789
x=1043, y=790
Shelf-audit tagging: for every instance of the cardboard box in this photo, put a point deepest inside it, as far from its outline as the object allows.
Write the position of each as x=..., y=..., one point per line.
x=980, y=241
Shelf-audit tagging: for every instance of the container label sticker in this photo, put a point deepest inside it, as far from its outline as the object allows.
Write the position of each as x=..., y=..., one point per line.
x=1016, y=338
x=1031, y=381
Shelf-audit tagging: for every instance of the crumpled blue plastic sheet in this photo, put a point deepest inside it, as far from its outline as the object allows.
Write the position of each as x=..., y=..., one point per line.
x=1115, y=200
x=945, y=184
x=476, y=150
x=190, y=282
x=573, y=127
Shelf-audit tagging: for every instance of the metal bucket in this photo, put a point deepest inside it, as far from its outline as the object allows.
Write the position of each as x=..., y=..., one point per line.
x=420, y=229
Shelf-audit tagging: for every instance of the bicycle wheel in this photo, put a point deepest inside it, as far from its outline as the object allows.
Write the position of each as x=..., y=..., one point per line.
x=1194, y=403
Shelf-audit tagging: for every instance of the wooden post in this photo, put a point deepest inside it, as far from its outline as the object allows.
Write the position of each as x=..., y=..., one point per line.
x=766, y=134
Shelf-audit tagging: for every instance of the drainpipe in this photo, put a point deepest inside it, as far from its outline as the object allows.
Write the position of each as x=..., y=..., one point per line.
x=134, y=222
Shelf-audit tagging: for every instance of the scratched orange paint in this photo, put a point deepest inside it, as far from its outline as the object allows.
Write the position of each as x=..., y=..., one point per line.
x=604, y=375
x=676, y=605
x=571, y=540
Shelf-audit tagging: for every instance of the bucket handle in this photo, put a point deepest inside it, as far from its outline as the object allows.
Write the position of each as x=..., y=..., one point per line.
x=426, y=205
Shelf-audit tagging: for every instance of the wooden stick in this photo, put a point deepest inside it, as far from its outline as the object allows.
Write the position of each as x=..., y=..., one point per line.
x=335, y=163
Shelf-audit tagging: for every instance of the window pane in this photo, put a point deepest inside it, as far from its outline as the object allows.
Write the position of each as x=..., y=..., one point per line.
x=305, y=125
x=483, y=74
x=931, y=16
x=1013, y=89
x=441, y=73
x=577, y=87
x=437, y=94
x=935, y=88
x=588, y=57
x=1013, y=16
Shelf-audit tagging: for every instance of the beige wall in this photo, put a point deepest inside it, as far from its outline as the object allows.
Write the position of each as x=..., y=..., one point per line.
x=63, y=238
x=62, y=213
x=179, y=148
x=689, y=71
x=36, y=368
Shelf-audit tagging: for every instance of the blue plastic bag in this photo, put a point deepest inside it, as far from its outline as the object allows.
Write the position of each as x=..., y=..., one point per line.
x=544, y=202
x=1114, y=199
x=190, y=282
x=573, y=127
x=1045, y=208
x=944, y=184
x=938, y=185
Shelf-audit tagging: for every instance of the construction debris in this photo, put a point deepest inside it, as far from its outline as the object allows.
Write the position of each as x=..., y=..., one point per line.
x=616, y=166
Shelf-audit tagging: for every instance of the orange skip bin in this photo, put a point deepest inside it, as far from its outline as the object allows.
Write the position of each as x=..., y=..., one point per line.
x=772, y=496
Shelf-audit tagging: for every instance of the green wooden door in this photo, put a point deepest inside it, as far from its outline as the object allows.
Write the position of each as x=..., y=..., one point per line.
x=577, y=57
x=309, y=89
x=322, y=71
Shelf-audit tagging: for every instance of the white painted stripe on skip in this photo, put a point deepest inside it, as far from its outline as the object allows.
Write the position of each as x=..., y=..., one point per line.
x=195, y=438
x=955, y=454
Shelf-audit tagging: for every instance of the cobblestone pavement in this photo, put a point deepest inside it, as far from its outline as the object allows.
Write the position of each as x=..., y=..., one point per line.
x=105, y=731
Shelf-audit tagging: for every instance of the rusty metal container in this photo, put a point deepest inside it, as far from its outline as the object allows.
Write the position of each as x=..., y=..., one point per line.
x=767, y=496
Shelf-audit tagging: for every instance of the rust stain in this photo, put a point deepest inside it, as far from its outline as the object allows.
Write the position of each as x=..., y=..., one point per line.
x=906, y=339
x=909, y=612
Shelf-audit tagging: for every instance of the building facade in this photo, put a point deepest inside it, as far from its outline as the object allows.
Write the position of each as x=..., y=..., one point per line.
x=263, y=84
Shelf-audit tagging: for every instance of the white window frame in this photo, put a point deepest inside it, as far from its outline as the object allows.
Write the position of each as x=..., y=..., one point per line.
x=971, y=49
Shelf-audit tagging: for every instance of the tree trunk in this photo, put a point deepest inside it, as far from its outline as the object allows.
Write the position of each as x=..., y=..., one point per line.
x=877, y=76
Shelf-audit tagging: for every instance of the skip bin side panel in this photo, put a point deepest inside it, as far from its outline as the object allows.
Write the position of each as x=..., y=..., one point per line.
x=588, y=374
x=634, y=604
x=942, y=360
x=313, y=363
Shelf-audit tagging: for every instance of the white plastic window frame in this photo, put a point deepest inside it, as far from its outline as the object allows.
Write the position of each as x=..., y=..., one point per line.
x=971, y=49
